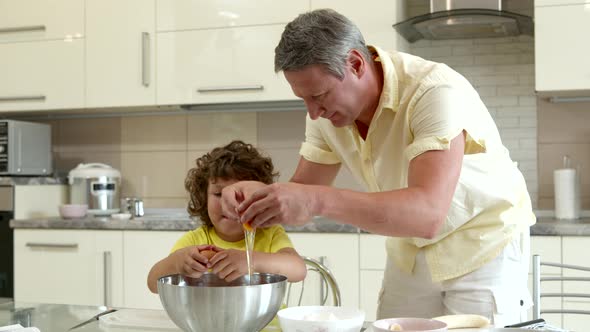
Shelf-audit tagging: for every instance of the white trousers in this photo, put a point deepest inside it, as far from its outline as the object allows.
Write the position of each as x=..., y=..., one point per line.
x=498, y=290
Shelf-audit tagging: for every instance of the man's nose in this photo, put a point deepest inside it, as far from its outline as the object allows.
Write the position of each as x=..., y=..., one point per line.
x=314, y=109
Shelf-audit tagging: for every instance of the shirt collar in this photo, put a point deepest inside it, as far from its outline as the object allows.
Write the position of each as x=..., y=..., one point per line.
x=389, y=94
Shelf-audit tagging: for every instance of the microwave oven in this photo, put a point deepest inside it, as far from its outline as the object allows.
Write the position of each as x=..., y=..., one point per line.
x=25, y=148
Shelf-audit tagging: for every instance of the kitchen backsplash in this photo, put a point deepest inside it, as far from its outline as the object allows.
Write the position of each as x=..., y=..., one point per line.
x=154, y=153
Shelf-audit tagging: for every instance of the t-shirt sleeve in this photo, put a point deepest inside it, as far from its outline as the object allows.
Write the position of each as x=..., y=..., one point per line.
x=315, y=148
x=440, y=115
x=280, y=239
x=191, y=238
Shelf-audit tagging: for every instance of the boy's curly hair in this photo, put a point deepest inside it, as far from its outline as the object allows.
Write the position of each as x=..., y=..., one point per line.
x=235, y=161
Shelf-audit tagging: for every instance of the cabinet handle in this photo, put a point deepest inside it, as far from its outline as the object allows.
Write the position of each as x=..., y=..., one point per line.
x=106, y=255
x=24, y=28
x=145, y=58
x=51, y=245
x=23, y=98
x=231, y=88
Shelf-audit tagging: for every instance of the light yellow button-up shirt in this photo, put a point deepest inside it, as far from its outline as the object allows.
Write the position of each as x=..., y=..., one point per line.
x=423, y=106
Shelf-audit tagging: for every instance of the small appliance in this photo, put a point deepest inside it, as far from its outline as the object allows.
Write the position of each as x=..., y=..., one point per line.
x=25, y=148
x=98, y=186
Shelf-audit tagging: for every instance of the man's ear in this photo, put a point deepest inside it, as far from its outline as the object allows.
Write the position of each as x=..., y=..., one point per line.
x=356, y=63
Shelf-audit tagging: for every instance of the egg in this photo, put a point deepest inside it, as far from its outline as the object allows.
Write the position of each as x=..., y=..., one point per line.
x=208, y=253
x=395, y=327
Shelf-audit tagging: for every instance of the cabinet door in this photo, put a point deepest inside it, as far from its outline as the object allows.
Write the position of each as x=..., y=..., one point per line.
x=340, y=254
x=198, y=14
x=575, y=253
x=68, y=266
x=142, y=250
x=373, y=258
x=26, y=20
x=540, y=3
x=375, y=19
x=42, y=75
x=561, y=53
x=549, y=248
x=120, y=49
x=220, y=65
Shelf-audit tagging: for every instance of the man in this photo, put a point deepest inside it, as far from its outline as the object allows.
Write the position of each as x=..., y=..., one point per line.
x=440, y=183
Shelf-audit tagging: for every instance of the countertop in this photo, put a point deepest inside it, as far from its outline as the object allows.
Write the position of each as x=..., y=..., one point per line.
x=174, y=220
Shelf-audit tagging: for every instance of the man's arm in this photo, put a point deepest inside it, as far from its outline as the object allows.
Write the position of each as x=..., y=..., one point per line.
x=308, y=172
x=416, y=211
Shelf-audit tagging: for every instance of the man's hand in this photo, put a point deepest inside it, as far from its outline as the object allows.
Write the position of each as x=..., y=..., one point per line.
x=278, y=203
x=233, y=195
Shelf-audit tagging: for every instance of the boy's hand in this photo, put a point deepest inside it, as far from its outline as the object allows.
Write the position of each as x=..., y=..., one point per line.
x=191, y=262
x=230, y=264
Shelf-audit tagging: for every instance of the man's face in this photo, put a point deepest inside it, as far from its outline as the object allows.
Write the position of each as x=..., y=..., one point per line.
x=325, y=95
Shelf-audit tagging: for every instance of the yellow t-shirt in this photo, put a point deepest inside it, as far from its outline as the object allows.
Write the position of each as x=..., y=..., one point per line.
x=269, y=240
x=422, y=107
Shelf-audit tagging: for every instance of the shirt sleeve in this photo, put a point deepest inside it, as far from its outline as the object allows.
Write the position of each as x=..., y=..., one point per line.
x=191, y=238
x=439, y=116
x=315, y=148
x=280, y=239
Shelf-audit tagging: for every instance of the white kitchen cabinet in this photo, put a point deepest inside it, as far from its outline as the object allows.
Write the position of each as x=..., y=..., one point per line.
x=42, y=75
x=339, y=252
x=142, y=249
x=82, y=267
x=220, y=65
x=562, y=61
x=373, y=258
x=375, y=19
x=199, y=14
x=559, y=2
x=573, y=246
x=549, y=248
x=120, y=53
x=28, y=20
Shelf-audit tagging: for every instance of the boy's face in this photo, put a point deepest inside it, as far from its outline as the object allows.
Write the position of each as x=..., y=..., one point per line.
x=228, y=230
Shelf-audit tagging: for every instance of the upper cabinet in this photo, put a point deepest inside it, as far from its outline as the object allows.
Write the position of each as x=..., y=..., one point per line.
x=203, y=14
x=221, y=51
x=42, y=50
x=375, y=19
x=561, y=48
x=27, y=20
x=120, y=49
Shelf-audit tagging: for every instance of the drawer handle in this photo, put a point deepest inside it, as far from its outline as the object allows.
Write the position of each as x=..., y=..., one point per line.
x=23, y=98
x=25, y=28
x=145, y=58
x=231, y=88
x=52, y=245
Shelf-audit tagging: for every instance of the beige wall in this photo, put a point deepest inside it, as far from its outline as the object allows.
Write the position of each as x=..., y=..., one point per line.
x=154, y=153
x=564, y=129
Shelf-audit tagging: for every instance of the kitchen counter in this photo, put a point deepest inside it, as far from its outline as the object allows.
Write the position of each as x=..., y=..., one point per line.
x=545, y=226
x=31, y=180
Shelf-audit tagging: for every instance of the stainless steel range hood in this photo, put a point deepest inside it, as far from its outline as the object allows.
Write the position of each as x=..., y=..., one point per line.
x=460, y=19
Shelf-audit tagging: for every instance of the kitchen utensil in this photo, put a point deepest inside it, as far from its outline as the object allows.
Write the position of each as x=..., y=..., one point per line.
x=321, y=318
x=97, y=185
x=409, y=324
x=71, y=211
x=92, y=319
x=209, y=303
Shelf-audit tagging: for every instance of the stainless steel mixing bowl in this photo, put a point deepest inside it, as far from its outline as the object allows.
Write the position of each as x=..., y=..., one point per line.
x=211, y=304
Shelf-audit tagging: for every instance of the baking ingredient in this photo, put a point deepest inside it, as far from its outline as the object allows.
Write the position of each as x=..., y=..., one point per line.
x=464, y=321
x=207, y=253
x=249, y=235
x=395, y=327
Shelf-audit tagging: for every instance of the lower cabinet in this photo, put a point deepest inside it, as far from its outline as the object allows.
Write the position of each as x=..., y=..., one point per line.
x=372, y=267
x=69, y=266
x=142, y=249
x=339, y=252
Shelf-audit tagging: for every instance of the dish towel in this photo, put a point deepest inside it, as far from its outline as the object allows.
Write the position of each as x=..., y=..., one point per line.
x=18, y=328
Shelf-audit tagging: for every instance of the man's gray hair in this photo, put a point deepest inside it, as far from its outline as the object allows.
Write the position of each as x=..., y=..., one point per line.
x=320, y=37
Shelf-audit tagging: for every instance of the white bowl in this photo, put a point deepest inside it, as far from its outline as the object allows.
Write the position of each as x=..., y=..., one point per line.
x=321, y=318
x=72, y=211
x=410, y=325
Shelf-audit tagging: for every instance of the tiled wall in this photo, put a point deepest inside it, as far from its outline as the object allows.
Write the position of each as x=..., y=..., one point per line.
x=154, y=153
